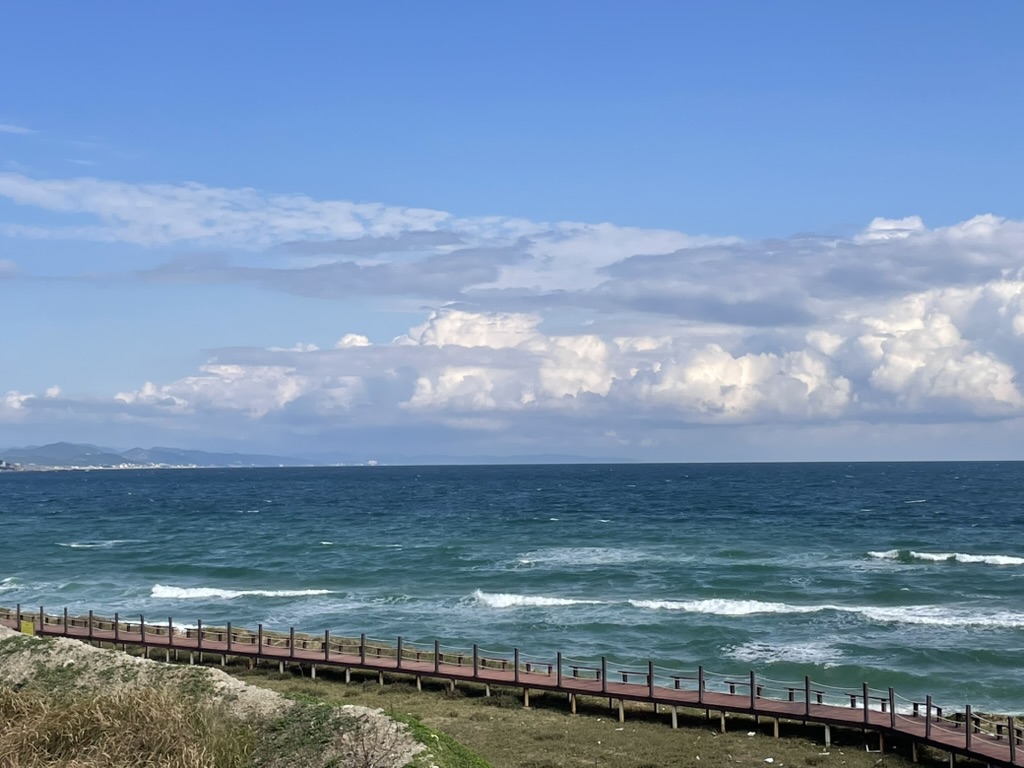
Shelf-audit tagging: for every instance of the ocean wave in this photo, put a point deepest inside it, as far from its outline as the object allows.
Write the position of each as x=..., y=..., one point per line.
x=723, y=607
x=211, y=593
x=96, y=544
x=929, y=615
x=909, y=555
x=754, y=652
x=508, y=600
x=561, y=557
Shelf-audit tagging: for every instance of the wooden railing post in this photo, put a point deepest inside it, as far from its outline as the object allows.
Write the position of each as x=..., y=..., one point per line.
x=700, y=684
x=398, y=655
x=1013, y=740
x=259, y=639
x=928, y=717
x=515, y=666
x=807, y=695
x=476, y=660
x=17, y=616
x=558, y=673
x=117, y=626
x=42, y=617
x=892, y=709
x=650, y=678
x=170, y=629
x=327, y=644
x=291, y=642
x=362, y=648
x=867, y=711
x=65, y=633
x=753, y=691
x=142, y=628
x=199, y=635
x=604, y=675
x=970, y=727
x=229, y=637
x=437, y=656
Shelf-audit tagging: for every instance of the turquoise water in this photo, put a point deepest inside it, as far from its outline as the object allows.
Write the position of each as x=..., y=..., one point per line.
x=910, y=575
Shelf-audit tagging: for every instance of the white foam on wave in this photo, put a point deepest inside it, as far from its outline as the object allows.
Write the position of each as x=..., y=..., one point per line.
x=723, y=607
x=929, y=615
x=889, y=554
x=583, y=556
x=942, y=557
x=212, y=593
x=509, y=600
x=754, y=652
x=107, y=544
x=9, y=583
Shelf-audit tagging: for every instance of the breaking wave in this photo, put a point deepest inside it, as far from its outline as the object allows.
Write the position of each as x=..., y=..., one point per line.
x=211, y=593
x=909, y=556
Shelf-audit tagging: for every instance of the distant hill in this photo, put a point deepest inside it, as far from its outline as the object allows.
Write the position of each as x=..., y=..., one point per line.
x=66, y=455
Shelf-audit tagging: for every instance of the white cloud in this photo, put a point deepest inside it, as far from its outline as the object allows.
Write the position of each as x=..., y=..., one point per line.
x=559, y=326
x=16, y=129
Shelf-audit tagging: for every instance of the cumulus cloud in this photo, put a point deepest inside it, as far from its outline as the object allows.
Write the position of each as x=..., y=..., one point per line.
x=611, y=331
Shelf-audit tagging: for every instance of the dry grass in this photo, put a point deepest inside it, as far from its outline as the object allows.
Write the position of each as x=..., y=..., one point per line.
x=548, y=736
x=127, y=729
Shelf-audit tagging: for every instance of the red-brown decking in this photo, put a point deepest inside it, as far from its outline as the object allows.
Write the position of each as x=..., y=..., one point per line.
x=994, y=741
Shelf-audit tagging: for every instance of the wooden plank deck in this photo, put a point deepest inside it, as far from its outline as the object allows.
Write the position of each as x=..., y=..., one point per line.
x=998, y=743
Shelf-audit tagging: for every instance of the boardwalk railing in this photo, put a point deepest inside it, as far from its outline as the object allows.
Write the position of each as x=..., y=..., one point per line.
x=994, y=740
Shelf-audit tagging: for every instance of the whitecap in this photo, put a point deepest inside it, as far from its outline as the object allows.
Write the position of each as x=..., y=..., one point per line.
x=209, y=593
x=508, y=600
x=725, y=607
x=107, y=544
x=754, y=652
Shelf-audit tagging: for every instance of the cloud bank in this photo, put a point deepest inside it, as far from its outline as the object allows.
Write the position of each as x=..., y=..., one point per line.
x=614, y=336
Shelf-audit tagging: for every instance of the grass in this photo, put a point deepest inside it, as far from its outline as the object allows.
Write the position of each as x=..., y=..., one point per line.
x=135, y=727
x=546, y=736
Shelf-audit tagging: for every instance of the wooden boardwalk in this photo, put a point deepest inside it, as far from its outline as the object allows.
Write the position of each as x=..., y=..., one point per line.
x=998, y=742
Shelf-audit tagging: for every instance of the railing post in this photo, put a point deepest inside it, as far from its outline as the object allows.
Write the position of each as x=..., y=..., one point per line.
x=142, y=628
x=229, y=637
x=753, y=691
x=558, y=674
x=327, y=644
x=807, y=695
x=650, y=678
x=65, y=621
x=259, y=639
x=362, y=648
x=700, y=685
x=437, y=656
x=970, y=726
x=604, y=675
x=199, y=635
x=117, y=626
x=476, y=660
x=398, y=655
x=928, y=717
x=867, y=710
x=291, y=642
x=17, y=616
x=42, y=616
x=1013, y=740
x=515, y=666
x=892, y=709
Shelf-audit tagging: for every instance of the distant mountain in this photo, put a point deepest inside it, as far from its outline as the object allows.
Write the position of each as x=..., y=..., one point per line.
x=66, y=455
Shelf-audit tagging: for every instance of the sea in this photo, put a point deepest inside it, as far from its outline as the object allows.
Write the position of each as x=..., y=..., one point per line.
x=909, y=575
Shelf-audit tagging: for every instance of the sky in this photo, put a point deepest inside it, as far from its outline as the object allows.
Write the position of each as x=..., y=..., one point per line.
x=654, y=231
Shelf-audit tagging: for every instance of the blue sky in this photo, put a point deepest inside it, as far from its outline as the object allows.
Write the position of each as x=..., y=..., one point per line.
x=666, y=231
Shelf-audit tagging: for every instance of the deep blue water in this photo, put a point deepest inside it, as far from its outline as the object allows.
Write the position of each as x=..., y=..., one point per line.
x=910, y=575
